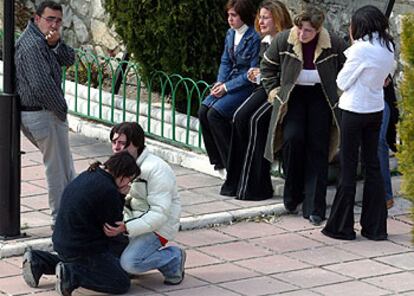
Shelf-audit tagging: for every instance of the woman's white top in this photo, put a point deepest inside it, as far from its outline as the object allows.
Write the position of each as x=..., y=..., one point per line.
x=363, y=74
x=239, y=34
x=308, y=77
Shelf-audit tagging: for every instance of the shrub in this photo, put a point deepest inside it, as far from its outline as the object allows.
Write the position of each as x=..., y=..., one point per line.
x=406, y=126
x=175, y=36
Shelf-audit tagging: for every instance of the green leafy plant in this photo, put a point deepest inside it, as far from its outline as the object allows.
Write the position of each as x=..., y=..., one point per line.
x=406, y=127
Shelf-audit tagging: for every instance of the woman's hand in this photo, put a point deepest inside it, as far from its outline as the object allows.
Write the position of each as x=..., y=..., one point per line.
x=111, y=231
x=218, y=90
x=254, y=75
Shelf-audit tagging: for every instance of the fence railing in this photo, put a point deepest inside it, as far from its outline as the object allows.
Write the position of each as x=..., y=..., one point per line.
x=90, y=91
x=89, y=87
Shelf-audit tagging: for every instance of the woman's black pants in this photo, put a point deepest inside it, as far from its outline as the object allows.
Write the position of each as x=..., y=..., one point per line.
x=359, y=131
x=306, y=134
x=216, y=131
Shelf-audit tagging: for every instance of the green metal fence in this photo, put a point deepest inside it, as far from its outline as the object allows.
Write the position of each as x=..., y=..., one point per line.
x=92, y=83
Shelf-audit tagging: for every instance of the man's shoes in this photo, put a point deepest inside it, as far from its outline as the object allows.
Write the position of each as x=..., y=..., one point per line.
x=62, y=286
x=31, y=272
x=315, y=220
x=177, y=279
x=390, y=203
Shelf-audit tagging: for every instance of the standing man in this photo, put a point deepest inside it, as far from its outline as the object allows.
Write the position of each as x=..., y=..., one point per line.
x=40, y=54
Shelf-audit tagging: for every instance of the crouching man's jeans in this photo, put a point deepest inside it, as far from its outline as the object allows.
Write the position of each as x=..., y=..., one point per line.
x=145, y=252
x=99, y=272
x=51, y=136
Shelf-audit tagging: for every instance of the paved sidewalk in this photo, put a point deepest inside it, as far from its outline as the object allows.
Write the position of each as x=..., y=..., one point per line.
x=283, y=254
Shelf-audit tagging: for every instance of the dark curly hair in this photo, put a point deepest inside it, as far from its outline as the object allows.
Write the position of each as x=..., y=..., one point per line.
x=121, y=164
x=48, y=4
x=133, y=132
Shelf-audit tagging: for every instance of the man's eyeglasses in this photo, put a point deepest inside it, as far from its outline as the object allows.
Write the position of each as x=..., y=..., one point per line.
x=52, y=19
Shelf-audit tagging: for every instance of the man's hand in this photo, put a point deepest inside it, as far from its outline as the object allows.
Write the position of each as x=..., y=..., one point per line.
x=111, y=231
x=52, y=37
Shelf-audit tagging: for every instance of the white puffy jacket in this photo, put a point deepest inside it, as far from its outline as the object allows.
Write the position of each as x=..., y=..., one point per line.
x=153, y=204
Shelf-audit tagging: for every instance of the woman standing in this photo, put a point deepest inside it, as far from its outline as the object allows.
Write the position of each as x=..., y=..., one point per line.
x=298, y=72
x=370, y=59
x=248, y=172
x=241, y=51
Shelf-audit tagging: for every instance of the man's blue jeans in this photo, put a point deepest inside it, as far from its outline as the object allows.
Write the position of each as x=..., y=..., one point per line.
x=98, y=272
x=145, y=252
x=383, y=152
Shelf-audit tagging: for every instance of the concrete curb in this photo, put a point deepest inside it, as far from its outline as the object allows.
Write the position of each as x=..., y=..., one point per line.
x=187, y=223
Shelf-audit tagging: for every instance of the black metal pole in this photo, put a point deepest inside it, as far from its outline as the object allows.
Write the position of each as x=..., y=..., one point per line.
x=10, y=135
x=120, y=73
x=388, y=8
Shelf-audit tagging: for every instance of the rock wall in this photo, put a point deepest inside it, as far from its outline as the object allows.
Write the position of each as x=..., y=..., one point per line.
x=85, y=26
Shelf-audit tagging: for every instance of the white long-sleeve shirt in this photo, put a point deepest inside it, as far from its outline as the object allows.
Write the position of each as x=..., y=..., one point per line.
x=362, y=77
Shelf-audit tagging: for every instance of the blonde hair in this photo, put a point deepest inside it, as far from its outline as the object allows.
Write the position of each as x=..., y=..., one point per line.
x=280, y=15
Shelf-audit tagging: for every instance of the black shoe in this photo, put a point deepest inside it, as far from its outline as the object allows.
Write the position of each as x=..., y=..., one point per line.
x=62, y=286
x=351, y=236
x=374, y=237
x=291, y=210
x=227, y=190
x=31, y=271
x=176, y=280
x=315, y=220
x=218, y=167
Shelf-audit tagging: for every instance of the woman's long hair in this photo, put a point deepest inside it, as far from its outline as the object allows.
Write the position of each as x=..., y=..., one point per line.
x=280, y=15
x=368, y=20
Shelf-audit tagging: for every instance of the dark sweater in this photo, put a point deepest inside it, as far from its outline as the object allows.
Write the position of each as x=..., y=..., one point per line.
x=308, y=50
x=39, y=71
x=88, y=202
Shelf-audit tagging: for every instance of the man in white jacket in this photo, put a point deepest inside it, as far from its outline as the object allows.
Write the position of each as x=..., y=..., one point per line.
x=152, y=210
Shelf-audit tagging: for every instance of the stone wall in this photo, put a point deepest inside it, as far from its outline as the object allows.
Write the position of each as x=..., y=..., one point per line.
x=338, y=14
x=85, y=26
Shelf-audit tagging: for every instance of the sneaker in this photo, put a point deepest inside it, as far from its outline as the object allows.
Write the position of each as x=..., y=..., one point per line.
x=181, y=272
x=62, y=285
x=31, y=272
x=315, y=220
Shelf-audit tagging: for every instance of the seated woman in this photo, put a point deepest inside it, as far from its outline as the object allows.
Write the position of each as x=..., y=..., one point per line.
x=298, y=72
x=241, y=52
x=248, y=172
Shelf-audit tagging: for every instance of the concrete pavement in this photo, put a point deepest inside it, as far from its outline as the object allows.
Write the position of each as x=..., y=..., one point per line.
x=277, y=254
